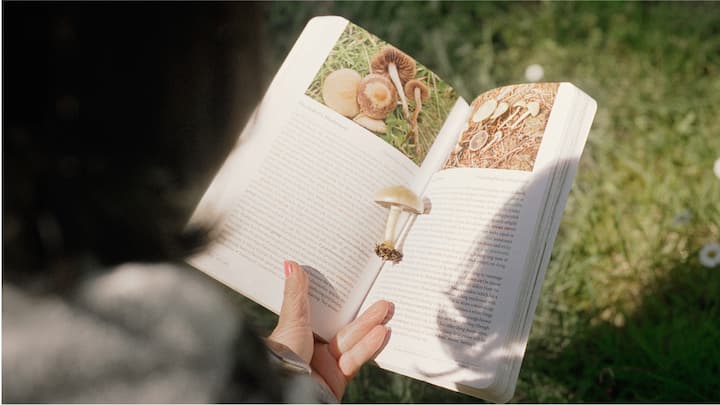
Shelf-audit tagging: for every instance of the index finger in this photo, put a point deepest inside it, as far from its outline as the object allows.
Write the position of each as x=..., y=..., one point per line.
x=378, y=314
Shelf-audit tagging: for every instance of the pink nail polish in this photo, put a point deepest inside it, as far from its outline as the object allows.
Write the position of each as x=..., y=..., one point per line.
x=288, y=268
x=390, y=313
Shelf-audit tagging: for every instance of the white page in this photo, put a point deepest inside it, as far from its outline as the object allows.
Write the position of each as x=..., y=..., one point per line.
x=453, y=301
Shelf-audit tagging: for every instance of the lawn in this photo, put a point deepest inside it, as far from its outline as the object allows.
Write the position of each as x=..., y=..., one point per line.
x=628, y=313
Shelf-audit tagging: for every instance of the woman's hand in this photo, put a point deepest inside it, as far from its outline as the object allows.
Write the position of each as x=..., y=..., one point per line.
x=333, y=363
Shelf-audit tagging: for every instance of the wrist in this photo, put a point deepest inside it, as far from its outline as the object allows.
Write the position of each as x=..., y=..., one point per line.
x=285, y=359
x=290, y=364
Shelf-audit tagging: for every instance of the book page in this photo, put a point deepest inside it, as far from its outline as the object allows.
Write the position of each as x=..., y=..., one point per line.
x=300, y=183
x=456, y=289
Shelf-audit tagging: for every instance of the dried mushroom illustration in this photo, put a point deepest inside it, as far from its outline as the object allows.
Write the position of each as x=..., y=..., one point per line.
x=339, y=91
x=399, y=66
x=478, y=140
x=517, y=104
x=500, y=110
x=485, y=110
x=496, y=137
x=376, y=96
x=505, y=128
x=397, y=199
x=533, y=108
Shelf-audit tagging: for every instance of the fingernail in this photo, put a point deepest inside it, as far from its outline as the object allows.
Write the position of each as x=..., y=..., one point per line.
x=390, y=313
x=288, y=268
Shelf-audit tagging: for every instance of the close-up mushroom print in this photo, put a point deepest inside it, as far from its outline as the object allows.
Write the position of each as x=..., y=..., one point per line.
x=383, y=90
x=505, y=128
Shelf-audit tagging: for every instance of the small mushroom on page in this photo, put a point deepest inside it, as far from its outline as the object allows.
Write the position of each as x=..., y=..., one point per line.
x=339, y=91
x=533, y=108
x=517, y=104
x=399, y=66
x=484, y=111
x=376, y=96
x=500, y=110
x=377, y=126
x=478, y=140
x=496, y=137
x=397, y=199
x=419, y=92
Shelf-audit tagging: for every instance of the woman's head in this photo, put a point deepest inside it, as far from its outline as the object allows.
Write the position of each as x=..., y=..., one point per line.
x=115, y=118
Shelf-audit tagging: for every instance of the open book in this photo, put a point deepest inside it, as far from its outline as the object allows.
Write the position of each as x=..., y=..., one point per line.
x=494, y=175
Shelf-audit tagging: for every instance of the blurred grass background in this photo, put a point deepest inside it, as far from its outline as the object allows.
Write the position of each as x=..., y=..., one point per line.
x=627, y=311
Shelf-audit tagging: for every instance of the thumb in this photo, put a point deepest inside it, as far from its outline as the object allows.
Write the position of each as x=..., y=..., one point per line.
x=295, y=310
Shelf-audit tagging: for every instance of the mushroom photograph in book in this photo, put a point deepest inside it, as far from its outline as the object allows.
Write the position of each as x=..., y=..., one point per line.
x=384, y=90
x=505, y=128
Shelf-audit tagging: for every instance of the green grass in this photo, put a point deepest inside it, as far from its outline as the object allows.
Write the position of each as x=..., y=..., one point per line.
x=627, y=313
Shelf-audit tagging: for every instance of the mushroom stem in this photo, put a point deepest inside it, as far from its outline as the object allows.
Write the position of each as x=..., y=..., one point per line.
x=496, y=137
x=416, y=114
x=393, y=217
x=418, y=104
x=533, y=108
x=395, y=77
x=512, y=115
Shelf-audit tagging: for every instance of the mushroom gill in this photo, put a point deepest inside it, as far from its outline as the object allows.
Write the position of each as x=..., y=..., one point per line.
x=399, y=66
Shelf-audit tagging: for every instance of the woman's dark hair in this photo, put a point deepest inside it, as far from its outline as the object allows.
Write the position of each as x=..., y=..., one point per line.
x=115, y=117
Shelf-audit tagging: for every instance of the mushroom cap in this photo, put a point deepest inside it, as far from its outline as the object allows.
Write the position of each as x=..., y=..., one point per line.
x=389, y=54
x=533, y=107
x=400, y=196
x=484, y=111
x=372, y=124
x=500, y=110
x=339, y=91
x=413, y=84
x=478, y=140
x=376, y=96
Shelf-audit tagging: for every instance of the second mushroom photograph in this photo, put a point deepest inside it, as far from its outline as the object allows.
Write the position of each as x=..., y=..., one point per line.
x=505, y=128
x=384, y=90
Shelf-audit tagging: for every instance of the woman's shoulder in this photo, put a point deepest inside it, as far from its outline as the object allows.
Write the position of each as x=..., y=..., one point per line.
x=135, y=333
